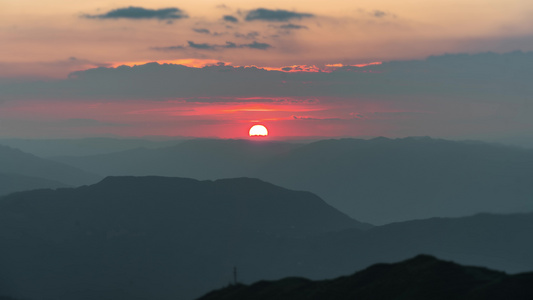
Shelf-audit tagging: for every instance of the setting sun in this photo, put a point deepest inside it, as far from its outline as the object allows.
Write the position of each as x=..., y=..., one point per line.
x=258, y=130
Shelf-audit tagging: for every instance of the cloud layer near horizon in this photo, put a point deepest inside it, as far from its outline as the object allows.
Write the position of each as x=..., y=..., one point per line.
x=450, y=95
x=482, y=77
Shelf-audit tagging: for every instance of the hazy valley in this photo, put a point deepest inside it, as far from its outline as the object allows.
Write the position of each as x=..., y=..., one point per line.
x=377, y=181
x=153, y=237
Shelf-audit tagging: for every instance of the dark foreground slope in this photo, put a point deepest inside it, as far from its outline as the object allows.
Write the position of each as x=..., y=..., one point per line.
x=378, y=181
x=423, y=277
x=152, y=237
x=14, y=161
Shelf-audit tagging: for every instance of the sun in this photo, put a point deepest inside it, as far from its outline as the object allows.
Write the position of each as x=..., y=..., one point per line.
x=258, y=130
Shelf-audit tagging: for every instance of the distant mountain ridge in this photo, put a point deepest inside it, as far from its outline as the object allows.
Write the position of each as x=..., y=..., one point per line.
x=379, y=180
x=200, y=159
x=383, y=180
x=10, y=183
x=84, y=146
x=14, y=161
x=422, y=277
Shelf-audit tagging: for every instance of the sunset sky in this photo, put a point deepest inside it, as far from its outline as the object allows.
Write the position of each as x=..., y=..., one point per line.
x=442, y=68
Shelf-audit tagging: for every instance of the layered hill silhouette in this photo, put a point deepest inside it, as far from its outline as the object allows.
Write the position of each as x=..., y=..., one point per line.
x=150, y=237
x=175, y=238
x=422, y=277
x=378, y=181
x=10, y=183
x=496, y=241
x=200, y=159
x=84, y=146
x=14, y=161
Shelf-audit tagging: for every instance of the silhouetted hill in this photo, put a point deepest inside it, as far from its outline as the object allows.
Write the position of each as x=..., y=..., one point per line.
x=152, y=237
x=10, y=183
x=378, y=180
x=199, y=158
x=17, y=162
x=422, y=277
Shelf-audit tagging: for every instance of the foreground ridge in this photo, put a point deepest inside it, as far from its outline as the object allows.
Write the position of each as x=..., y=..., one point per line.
x=422, y=277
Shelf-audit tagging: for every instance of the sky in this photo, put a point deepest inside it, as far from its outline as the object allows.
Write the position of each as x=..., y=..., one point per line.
x=441, y=68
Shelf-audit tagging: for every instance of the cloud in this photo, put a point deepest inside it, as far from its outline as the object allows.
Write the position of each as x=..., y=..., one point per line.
x=169, y=48
x=133, y=12
x=292, y=26
x=231, y=19
x=459, y=78
x=207, y=31
x=202, y=30
x=442, y=95
x=207, y=46
x=379, y=13
x=249, y=36
x=256, y=45
x=275, y=15
x=201, y=46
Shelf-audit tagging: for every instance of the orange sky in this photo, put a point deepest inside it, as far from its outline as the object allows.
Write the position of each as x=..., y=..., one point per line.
x=42, y=38
x=352, y=41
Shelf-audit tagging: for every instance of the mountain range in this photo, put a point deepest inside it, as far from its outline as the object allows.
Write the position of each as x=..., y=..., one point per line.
x=152, y=237
x=10, y=183
x=377, y=181
x=177, y=238
x=22, y=171
x=85, y=146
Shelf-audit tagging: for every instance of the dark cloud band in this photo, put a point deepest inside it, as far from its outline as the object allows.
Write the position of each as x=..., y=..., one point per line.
x=207, y=46
x=134, y=12
x=292, y=26
x=461, y=78
x=231, y=19
x=275, y=15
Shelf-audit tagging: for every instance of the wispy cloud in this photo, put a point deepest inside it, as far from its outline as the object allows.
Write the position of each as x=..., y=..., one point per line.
x=250, y=35
x=208, y=46
x=202, y=30
x=231, y=19
x=256, y=45
x=201, y=46
x=292, y=26
x=137, y=13
x=278, y=15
